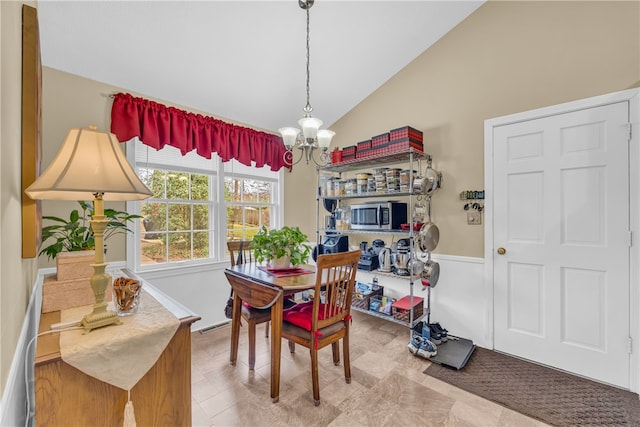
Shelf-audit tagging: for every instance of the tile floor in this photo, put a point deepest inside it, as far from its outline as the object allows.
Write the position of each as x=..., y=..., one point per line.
x=388, y=387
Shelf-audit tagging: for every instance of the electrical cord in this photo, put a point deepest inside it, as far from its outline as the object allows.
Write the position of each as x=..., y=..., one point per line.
x=29, y=414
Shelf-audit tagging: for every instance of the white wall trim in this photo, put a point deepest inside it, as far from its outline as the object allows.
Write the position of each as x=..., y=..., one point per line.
x=13, y=409
x=633, y=97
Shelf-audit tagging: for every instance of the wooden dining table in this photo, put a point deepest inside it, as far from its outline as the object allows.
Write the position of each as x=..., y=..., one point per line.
x=260, y=288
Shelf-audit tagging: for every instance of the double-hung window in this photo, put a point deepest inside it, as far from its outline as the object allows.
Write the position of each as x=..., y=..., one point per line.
x=198, y=204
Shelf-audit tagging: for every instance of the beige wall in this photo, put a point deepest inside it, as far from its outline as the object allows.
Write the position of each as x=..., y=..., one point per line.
x=16, y=275
x=505, y=58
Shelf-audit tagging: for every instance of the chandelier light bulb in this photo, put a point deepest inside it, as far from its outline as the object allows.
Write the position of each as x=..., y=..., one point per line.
x=324, y=138
x=310, y=126
x=289, y=136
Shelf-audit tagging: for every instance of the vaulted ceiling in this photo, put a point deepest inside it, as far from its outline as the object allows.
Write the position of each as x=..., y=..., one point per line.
x=244, y=60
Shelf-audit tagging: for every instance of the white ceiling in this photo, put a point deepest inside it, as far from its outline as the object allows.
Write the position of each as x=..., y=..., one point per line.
x=244, y=60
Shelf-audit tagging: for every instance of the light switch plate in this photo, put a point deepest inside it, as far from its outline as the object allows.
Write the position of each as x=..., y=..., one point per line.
x=474, y=218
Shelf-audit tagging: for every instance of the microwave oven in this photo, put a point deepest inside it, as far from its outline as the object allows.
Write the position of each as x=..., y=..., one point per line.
x=378, y=215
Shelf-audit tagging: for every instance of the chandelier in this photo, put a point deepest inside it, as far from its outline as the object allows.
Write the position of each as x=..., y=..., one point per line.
x=311, y=137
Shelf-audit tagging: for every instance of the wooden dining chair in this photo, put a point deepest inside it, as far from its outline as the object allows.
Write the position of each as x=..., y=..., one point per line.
x=326, y=319
x=240, y=252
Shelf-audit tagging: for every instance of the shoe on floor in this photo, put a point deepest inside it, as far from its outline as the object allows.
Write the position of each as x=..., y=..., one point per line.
x=443, y=332
x=427, y=349
x=435, y=336
x=438, y=332
x=414, y=344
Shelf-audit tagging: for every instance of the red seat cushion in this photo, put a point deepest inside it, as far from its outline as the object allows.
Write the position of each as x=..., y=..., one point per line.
x=300, y=314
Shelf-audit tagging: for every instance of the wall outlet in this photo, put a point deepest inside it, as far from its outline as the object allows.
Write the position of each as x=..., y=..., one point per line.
x=474, y=218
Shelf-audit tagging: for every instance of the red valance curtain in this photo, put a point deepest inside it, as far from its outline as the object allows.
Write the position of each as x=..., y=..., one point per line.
x=158, y=125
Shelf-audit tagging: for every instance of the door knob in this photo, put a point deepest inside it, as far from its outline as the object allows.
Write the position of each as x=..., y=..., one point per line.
x=502, y=251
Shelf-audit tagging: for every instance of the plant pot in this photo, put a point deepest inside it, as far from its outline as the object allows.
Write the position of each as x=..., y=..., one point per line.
x=282, y=262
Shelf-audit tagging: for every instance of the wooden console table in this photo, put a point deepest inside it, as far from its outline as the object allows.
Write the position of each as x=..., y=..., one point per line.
x=66, y=396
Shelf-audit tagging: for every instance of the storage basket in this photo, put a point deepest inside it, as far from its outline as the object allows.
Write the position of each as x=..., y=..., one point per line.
x=401, y=310
x=381, y=304
x=361, y=299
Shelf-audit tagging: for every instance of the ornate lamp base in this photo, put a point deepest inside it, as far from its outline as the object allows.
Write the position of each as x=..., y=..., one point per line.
x=98, y=319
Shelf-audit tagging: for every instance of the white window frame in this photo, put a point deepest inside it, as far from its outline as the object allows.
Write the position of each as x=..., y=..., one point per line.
x=220, y=170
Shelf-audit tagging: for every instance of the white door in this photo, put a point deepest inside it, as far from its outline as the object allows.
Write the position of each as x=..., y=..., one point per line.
x=561, y=214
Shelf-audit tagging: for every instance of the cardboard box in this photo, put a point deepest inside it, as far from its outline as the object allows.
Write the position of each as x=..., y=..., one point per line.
x=74, y=265
x=63, y=294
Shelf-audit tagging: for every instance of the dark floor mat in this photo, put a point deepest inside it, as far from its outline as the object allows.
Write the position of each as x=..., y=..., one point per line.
x=552, y=396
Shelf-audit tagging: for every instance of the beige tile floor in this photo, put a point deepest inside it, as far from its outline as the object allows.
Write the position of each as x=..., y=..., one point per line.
x=388, y=387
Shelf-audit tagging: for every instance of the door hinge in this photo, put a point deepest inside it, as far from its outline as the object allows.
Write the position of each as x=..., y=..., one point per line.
x=630, y=238
x=630, y=345
x=629, y=128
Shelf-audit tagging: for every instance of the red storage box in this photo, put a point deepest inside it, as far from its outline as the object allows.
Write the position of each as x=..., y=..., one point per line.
x=363, y=145
x=401, y=309
x=349, y=150
x=379, y=140
x=403, y=145
x=405, y=132
x=361, y=154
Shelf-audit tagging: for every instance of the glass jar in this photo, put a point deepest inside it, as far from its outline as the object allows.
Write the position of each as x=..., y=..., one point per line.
x=329, y=186
x=351, y=186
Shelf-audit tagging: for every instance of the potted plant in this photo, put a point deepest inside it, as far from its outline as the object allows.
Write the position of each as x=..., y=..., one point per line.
x=75, y=233
x=281, y=248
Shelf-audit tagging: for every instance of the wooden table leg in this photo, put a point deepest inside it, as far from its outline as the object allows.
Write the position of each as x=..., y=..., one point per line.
x=235, y=328
x=276, y=341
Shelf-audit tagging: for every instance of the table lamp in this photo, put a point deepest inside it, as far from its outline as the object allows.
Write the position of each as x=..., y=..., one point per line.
x=91, y=165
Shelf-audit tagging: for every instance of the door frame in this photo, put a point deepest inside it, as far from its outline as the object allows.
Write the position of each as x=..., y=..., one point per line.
x=633, y=97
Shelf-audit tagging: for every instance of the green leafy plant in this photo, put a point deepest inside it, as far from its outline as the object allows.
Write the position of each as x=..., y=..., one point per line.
x=276, y=243
x=75, y=234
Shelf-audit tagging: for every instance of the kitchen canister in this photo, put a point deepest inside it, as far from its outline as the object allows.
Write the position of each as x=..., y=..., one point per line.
x=350, y=186
x=362, y=182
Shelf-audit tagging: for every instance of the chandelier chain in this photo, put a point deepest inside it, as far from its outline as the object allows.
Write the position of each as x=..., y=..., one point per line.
x=307, y=108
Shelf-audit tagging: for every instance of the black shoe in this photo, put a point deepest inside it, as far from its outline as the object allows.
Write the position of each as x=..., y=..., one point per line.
x=436, y=337
x=443, y=332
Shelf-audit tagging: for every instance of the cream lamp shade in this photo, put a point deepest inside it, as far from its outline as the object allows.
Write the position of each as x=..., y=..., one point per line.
x=89, y=162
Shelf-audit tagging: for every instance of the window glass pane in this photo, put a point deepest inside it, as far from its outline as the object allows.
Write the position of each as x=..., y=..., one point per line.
x=199, y=187
x=154, y=218
x=155, y=180
x=234, y=223
x=177, y=185
x=256, y=191
x=153, y=251
x=265, y=216
x=251, y=216
x=264, y=192
x=201, y=244
x=179, y=246
x=250, y=191
x=179, y=217
x=232, y=190
x=200, y=217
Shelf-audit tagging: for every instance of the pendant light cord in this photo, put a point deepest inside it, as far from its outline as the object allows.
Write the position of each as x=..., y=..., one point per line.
x=308, y=109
